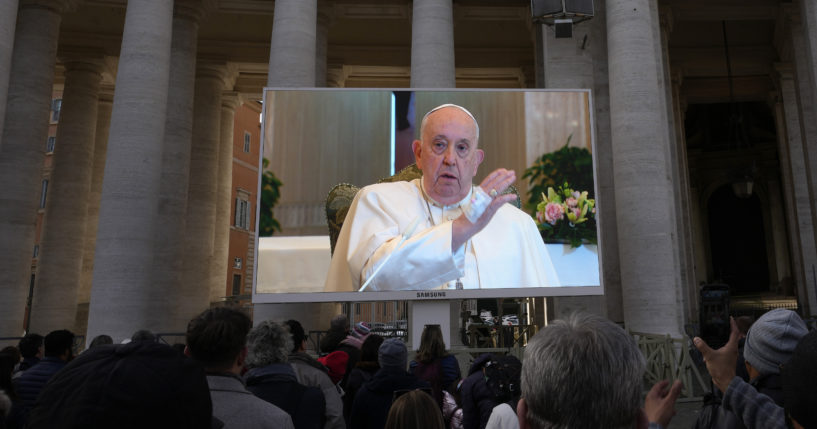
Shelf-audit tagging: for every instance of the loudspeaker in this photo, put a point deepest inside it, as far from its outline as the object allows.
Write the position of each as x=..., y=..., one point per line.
x=579, y=7
x=563, y=28
x=545, y=7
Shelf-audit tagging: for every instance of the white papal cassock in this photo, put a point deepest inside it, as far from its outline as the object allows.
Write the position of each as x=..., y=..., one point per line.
x=507, y=253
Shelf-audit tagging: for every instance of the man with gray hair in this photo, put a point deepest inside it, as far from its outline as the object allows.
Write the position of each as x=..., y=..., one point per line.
x=338, y=330
x=586, y=372
x=461, y=236
x=271, y=378
x=216, y=339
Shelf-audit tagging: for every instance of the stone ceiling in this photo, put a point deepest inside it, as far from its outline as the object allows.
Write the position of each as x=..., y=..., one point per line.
x=371, y=38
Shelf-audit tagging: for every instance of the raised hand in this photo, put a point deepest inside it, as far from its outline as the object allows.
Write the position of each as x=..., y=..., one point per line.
x=659, y=405
x=721, y=362
x=498, y=180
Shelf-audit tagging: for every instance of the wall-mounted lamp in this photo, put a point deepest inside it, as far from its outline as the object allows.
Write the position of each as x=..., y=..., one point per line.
x=743, y=188
x=561, y=14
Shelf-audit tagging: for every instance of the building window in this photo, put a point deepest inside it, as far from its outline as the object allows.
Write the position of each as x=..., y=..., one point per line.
x=242, y=213
x=49, y=145
x=36, y=251
x=56, y=106
x=44, y=193
x=247, y=138
x=236, y=284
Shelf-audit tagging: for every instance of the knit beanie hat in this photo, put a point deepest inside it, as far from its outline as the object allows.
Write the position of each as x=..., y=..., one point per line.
x=335, y=363
x=771, y=340
x=361, y=330
x=393, y=354
x=799, y=381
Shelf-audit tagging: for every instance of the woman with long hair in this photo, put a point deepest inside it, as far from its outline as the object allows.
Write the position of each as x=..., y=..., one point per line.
x=414, y=410
x=433, y=363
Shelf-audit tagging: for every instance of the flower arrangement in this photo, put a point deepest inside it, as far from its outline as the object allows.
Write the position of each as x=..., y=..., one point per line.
x=567, y=215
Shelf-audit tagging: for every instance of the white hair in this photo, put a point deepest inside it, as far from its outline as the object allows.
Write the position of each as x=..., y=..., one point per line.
x=268, y=343
x=442, y=106
x=581, y=372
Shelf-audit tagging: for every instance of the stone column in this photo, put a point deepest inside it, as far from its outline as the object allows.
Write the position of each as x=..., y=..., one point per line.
x=687, y=290
x=432, y=66
x=324, y=20
x=103, y=125
x=808, y=49
x=793, y=165
x=432, y=44
x=202, y=191
x=641, y=161
x=685, y=218
x=124, y=298
x=293, y=43
x=178, y=137
x=63, y=239
x=777, y=239
x=699, y=239
x=804, y=47
x=8, y=22
x=22, y=152
x=292, y=63
x=565, y=64
x=221, y=248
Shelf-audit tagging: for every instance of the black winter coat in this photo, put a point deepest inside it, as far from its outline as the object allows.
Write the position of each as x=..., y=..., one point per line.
x=373, y=400
x=363, y=372
x=477, y=399
x=277, y=385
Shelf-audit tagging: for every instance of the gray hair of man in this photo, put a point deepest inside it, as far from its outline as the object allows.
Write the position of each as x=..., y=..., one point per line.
x=339, y=323
x=268, y=343
x=580, y=372
x=442, y=106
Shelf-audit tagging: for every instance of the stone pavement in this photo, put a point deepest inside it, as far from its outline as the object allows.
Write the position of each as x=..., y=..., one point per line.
x=686, y=413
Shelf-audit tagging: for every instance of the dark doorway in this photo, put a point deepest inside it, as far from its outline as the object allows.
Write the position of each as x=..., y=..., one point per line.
x=737, y=242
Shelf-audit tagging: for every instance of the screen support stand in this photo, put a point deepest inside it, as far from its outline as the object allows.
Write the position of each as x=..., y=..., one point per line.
x=429, y=313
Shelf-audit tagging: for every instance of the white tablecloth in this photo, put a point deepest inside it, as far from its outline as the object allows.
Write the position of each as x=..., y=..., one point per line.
x=575, y=266
x=292, y=264
x=300, y=264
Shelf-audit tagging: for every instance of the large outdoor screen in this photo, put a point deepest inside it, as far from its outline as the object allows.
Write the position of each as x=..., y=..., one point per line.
x=316, y=139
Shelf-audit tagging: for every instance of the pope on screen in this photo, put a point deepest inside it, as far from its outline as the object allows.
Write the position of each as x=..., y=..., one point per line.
x=440, y=231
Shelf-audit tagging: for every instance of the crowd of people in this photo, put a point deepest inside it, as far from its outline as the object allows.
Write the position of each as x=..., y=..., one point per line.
x=580, y=372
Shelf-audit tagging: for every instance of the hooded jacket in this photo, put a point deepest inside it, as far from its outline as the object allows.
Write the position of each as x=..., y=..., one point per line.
x=310, y=372
x=373, y=400
x=477, y=400
x=276, y=384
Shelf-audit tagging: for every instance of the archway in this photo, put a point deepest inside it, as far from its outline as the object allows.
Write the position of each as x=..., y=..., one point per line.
x=737, y=242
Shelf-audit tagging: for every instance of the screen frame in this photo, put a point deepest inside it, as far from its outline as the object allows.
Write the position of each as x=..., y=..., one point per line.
x=373, y=296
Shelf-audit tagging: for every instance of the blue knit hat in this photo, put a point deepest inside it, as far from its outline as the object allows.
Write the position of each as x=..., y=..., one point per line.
x=772, y=339
x=393, y=353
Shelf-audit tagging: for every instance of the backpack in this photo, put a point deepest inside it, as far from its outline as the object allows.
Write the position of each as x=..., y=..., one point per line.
x=502, y=375
x=432, y=373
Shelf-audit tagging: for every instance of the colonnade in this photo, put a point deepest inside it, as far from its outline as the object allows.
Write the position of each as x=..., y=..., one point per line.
x=151, y=234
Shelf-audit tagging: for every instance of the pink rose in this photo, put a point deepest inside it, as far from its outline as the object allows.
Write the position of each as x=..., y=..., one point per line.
x=571, y=202
x=553, y=213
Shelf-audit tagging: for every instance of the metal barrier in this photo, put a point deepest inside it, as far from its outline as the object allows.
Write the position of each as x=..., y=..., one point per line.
x=669, y=359
x=163, y=338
